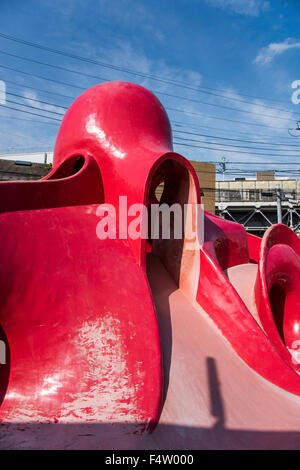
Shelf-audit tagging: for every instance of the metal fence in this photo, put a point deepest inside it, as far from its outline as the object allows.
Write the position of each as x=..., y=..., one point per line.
x=253, y=195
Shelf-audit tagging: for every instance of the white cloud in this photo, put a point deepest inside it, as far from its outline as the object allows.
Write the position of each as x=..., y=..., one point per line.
x=124, y=55
x=32, y=99
x=267, y=54
x=242, y=7
x=263, y=126
x=268, y=117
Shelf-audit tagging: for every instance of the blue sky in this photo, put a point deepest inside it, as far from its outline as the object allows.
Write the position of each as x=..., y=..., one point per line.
x=247, y=51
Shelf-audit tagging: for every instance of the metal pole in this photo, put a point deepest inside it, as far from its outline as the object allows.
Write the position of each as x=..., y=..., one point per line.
x=278, y=198
x=45, y=157
x=223, y=167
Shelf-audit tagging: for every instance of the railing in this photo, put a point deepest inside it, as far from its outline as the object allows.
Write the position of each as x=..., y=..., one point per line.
x=253, y=195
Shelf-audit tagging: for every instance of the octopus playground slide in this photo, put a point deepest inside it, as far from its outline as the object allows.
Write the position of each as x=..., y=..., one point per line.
x=140, y=342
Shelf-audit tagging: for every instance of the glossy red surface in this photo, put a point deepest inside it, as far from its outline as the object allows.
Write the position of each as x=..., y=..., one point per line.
x=108, y=339
x=79, y=347
x=277, y=289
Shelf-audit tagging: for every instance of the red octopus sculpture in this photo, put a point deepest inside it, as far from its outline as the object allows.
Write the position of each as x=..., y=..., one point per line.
x=139, y=342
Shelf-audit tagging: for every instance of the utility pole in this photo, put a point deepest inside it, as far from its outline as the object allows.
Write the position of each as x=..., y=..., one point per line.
x=223, y=167
x=279, y=199
x=45, y=157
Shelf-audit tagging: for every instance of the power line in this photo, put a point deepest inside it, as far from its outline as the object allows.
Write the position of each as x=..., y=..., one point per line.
x=64, y=69
x=240, y=146
x=36, y=100
x=42, y=78
x=199, y=126
x=185, y=111
x=178, y=143
x=203, y=115
x=155, y=91
x=5, y=116
x=28, y=112
x=22, y=136
x=181, y=138
x=232, y=151
x=41, y=91
x=226, y=98
x=25, y=149
x=175, y=123
x=226, y=107
x=33, y=107
x=236, y=140
x=166, y=107
x=118, y=68
x=256, y=163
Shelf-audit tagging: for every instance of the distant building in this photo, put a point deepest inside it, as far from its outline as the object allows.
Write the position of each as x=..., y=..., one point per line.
x=22, y=170
x=252, y=202
x=206, y=173
x=35, y=157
